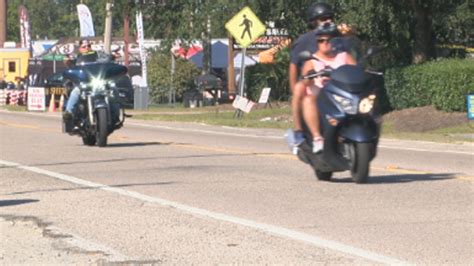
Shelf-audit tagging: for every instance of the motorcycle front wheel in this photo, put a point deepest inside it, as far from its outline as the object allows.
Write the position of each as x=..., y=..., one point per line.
x=102, y=129
x=360, y=157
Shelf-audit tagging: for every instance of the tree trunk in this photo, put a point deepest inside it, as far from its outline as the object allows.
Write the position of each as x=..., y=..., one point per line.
x=423, y=47
x=3, y=22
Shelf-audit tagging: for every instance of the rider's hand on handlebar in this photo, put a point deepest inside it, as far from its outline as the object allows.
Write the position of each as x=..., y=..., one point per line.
x=345, y=29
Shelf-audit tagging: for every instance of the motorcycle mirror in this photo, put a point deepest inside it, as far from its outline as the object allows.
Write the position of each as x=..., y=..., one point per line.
x=371, y=51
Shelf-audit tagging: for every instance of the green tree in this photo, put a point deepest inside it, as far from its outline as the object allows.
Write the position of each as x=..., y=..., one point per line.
x=53, y=19
x=159, y=75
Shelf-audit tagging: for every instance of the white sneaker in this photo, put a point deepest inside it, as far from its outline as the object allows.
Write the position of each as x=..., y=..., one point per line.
x=318, y=144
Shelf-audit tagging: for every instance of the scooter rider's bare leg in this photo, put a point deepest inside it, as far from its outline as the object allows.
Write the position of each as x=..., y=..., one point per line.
x=296, y=104
x=299, y=92
x=311, y=117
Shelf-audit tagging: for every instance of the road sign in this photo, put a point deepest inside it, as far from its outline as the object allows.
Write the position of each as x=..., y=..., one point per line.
x=264, y=95
x=245, y=27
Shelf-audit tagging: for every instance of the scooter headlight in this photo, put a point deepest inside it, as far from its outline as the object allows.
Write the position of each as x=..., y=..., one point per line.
x=345, y=103
x=367, y=104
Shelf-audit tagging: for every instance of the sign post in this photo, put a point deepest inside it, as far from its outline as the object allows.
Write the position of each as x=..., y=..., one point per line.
x=245, y=27
x=470, y=106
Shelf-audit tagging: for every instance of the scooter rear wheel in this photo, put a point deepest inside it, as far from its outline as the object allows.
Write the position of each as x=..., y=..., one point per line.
x=323, y=176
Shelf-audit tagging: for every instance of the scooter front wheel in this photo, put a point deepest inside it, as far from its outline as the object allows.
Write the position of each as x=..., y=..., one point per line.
x=360, y=162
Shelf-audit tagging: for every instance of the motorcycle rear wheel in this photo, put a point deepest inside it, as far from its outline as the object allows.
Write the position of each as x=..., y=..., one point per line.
x=360, y=162
x=102, y=129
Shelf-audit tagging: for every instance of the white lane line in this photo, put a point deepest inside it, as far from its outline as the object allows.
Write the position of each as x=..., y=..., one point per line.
x=268, y=228
x=426, y=150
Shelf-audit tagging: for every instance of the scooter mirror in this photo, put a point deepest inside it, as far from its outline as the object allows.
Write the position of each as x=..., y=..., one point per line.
x=305, y=56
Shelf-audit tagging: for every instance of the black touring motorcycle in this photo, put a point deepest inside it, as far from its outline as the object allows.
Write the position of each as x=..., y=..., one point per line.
x=350, y=120
x=99, y=110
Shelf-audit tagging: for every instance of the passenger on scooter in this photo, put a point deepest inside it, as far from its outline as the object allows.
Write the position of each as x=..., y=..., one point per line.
x=326, y=58
x=317, y=14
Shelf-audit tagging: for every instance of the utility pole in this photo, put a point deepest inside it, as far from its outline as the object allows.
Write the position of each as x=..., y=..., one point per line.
x=207, y=46
x=3, y=22
x=126, y=25
x=108, y=27
x=230, y=67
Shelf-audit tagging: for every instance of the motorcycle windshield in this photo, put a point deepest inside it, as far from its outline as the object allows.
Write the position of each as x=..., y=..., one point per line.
x=85, y=73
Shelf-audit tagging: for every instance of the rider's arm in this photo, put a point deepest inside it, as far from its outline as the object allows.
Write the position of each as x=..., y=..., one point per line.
x=305, y=70
x=293, y=76
x=351, y=60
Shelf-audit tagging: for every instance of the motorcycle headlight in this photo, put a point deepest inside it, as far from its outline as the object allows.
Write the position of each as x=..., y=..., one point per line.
x=345, y=103
x=83, y=85
x=367, y=104
x=111, y=84
x=98, y=84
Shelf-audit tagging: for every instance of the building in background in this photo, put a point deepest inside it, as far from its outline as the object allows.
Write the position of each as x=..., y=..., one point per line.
x=13, y=63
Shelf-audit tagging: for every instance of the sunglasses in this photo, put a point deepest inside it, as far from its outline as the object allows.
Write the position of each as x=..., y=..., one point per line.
x=325, y=40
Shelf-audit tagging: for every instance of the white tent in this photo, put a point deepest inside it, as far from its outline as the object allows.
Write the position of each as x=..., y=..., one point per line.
x=248, y=60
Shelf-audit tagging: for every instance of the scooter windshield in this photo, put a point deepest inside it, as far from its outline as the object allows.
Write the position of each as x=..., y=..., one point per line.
x=351, y=45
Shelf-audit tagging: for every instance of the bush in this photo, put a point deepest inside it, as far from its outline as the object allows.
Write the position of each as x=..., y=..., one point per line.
x=443, y=84
x=159, y=75
x=273, y=75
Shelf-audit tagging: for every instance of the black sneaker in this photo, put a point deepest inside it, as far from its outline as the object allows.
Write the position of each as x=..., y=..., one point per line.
x=67, y=116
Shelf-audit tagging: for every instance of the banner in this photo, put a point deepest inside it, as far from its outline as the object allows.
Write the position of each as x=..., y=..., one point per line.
x=85, y=21
x=24, y=27
x=141, y=43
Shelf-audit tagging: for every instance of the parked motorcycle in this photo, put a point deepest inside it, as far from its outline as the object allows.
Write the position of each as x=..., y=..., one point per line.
x=99, y=111
x=350, y=121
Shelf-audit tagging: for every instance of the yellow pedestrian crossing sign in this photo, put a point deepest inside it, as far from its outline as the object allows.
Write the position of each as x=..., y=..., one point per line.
x=245, y=27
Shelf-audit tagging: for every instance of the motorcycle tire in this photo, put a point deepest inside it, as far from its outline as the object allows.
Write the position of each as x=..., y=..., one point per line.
x=323, y=176
x=102, y=128
x=361, y=162
x=89, y=140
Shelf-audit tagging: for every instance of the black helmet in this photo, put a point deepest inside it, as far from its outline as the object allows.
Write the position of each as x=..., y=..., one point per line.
x=328, y=28
x=319, y=10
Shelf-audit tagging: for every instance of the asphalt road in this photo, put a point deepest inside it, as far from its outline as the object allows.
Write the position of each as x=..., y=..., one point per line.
x=188, y=193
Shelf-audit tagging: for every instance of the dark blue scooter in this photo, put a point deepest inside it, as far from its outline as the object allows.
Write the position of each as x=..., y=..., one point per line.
x=350, y=123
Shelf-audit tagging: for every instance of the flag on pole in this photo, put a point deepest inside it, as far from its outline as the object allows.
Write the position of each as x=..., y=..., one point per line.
x=85, y=21
x=141, y=42
x=24, y=27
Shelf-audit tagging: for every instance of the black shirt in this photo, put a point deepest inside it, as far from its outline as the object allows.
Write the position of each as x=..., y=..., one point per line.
x=306, y=42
